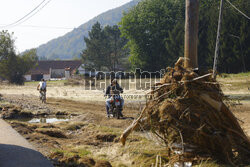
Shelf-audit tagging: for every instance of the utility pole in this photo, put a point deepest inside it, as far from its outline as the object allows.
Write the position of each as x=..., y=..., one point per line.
x=217, y=41
x=191, y=34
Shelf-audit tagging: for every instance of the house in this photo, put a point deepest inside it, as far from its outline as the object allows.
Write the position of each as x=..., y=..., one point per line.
x=49, y=69
x=84, y=70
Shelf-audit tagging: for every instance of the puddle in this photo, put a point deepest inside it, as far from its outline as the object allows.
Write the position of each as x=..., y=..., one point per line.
x=47, y=120
x=44, y=120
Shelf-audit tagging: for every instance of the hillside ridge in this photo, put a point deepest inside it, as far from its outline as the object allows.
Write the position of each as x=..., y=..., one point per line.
x=72, y=43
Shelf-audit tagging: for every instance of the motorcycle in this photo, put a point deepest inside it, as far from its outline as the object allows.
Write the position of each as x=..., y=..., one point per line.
x=116, y=106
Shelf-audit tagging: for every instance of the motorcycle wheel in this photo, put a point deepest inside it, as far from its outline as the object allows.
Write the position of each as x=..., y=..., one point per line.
x=118, y=113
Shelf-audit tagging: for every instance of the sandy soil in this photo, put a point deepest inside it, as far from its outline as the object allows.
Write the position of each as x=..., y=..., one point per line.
x=242, y=112
x=235, y=85
x=59, y=90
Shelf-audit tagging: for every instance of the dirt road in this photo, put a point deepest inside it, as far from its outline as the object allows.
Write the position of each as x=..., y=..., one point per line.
x=88, y=137
x=94, y=112
x=88, y=132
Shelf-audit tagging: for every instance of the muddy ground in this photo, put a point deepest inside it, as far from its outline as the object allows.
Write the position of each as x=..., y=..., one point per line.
x=88, y=138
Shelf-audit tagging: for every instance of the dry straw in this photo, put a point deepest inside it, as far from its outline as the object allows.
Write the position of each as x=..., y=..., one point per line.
x=188, y=114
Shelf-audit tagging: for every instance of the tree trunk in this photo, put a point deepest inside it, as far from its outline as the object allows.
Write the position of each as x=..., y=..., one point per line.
x=191, y=33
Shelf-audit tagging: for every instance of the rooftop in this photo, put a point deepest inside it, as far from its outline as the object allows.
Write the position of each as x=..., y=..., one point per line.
x=44, y=66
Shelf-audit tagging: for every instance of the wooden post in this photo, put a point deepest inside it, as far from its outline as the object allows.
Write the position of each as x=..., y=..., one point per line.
x=191, y=34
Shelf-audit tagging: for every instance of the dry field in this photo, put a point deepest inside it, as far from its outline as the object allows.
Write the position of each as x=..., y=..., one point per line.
x=88, y=137
x=72, y=91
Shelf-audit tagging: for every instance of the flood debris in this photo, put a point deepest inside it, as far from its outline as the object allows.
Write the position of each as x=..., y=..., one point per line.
x=186, y=112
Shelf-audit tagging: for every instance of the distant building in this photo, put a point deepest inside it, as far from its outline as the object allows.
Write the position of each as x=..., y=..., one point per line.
x=50, y=69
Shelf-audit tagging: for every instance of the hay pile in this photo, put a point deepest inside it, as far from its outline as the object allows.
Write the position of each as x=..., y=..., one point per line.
x=187, y=113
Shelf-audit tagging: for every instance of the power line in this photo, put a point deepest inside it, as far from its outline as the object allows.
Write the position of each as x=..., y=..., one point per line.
x=238, y=10
x=45, y=27
x=17, y=23
x=34, y=13
x=24, y=16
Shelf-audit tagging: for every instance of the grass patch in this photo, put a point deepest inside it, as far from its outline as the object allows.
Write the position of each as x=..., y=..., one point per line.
x=235, y=82
x=122, y=165
x=143, y=152
x=71, y=153
x=65, y=153
x=225, y=75
x=109, y=130
x=83, y=152
x=210, y=164
x=74, y=126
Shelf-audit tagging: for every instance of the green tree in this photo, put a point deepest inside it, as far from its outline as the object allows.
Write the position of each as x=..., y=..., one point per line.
x=6, y=45
x=147, y=26
x=13, y=67
x=94, y=54
x=116, y=43
x=155, y=30
x=28, y=60
x=8, y=57
x=105, y=48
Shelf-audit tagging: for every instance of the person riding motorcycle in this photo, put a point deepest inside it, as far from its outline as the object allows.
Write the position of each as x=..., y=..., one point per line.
x=42, y=87
x=113, y=89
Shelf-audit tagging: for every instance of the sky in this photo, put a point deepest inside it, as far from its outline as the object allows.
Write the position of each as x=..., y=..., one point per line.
x=56, y=18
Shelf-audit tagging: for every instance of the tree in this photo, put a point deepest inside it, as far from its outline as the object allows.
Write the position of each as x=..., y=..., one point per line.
x=12, y=66
x=104, y=47
x=116, y=45
x=7, y=56
x=6, y=45
x=175, y=43
x=155, y=30
x=94, y=54
x=28, y=60
x=147, y=26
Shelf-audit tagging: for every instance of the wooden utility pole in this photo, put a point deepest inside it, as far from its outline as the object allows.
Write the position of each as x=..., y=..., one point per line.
x=217, y=40
x=191, y=34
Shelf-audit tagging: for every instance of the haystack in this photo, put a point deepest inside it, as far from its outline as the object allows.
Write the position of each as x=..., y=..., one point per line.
x=186, y=111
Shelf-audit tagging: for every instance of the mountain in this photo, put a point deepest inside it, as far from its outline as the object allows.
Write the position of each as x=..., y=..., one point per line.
x=71, y=44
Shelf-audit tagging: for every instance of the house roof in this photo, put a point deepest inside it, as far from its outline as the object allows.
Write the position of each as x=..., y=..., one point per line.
x=44, y=66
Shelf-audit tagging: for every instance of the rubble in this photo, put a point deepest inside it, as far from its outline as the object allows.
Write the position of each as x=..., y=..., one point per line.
x=186, y=111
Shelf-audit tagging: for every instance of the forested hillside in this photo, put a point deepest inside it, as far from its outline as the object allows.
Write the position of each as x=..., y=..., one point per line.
x=72, y=44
